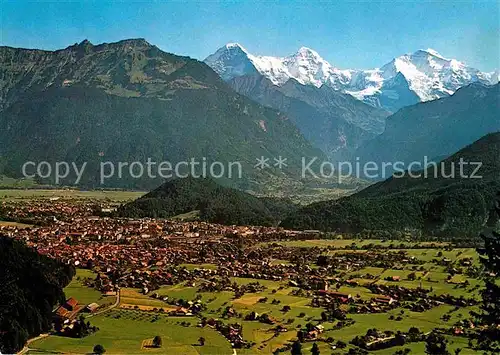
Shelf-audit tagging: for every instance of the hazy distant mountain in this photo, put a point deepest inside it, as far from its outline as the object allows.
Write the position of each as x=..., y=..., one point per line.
x=420, y=76
x=437, y=128
x=435, y=203
x=335, y=122
x=129, y=101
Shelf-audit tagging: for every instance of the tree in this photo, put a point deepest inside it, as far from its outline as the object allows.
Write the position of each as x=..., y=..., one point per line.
x=296, y=348
x=413, y=334
x=414, y=330
x=490, y=258
x=201, y=340
x=264, y=318
x=341, y=345
x=315, y=349
x=435, y=344
x=309, y=326
x=301, y=336
x=99, y=349
x=157, y=341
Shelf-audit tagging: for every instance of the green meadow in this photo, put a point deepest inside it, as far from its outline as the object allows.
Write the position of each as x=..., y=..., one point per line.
x=127, y=334
x=31, y=194
x=127, y=328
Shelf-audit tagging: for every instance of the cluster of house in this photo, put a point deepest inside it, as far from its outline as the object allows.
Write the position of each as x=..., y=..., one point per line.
x=232, y=332
x=385, y=298
x=377, y=304
x=45, y=210
x=423, y=298
x=68, y=310
x=149, y=253
x=144, y=253
x=377, y=340
x=189, y=309
x=65, y=316
x=311, y=332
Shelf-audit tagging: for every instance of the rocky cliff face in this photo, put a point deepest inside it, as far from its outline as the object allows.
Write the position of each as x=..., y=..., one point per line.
x=334, y=122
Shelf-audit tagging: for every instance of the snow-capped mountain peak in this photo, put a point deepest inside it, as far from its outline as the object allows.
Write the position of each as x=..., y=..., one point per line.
x=230, y=61
x=430, y=75
x=434, y=53
x=306, y=66
x=308, y=53
x=419, y=76
x=236, y=46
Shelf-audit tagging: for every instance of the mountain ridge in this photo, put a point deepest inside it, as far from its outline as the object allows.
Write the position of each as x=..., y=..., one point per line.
x=428, y=74
x=120, y=100
x=436, y=128
x=431, y=203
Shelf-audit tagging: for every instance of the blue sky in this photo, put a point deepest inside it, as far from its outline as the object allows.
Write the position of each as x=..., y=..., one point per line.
x=357, y=34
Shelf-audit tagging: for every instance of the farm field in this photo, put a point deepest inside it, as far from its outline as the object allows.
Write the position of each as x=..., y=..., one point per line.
x=132, y=298
x=14, y=224
x=355, y=243
x=138, y=317
x=84, y=294
x=29, y=194
x=124, y=331
x=79, y=291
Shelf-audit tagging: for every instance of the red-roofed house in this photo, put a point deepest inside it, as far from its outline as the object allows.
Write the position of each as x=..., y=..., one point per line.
x=71, y=304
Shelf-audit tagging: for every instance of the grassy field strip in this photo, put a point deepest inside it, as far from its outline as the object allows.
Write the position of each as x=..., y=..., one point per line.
x=84, y=294
x=125, y=336
x=358, y=243
x=112, y=195
x=14, y=224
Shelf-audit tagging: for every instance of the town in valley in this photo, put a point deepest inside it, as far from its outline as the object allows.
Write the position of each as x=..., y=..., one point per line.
x=207, y=288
